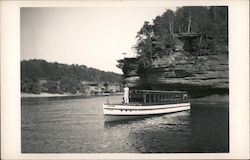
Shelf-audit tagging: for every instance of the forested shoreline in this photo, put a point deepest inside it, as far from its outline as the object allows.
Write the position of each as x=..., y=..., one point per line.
x=41, y=76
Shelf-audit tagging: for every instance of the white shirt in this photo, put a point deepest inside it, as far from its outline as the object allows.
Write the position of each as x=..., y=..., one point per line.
x=126, y=90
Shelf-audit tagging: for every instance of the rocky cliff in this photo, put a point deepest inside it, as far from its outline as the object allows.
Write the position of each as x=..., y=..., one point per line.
x=201, y=73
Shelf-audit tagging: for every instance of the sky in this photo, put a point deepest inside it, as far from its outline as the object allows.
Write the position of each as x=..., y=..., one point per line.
x=91, y=36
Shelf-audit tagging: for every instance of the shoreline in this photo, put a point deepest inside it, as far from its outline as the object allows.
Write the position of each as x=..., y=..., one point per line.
x=24, y=95
x=214, y=97
x=44, y=95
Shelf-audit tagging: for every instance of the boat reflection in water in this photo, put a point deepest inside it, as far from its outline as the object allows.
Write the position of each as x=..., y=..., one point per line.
x=168, y=133
x=145, y=103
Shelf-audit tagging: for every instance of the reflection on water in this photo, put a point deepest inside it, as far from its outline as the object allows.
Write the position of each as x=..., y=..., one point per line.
x=155, y=134
x=77, y=126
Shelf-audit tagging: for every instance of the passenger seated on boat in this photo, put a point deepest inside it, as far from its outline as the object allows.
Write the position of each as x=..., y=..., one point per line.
x=126, y=93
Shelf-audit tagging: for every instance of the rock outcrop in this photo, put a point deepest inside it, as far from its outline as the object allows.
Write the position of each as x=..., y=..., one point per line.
x=201, y=73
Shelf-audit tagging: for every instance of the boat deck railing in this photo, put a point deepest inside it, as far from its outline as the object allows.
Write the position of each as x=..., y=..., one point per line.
x=158, y=97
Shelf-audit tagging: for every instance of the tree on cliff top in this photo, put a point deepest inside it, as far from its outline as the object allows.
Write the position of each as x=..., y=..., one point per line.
x=144, y=45
x=157, y=39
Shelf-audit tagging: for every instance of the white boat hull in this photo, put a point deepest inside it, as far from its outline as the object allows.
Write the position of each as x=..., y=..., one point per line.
x=118, y=112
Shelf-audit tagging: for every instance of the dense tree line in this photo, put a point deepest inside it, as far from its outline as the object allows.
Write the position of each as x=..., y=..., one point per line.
x=159, y=38
x=60, y=77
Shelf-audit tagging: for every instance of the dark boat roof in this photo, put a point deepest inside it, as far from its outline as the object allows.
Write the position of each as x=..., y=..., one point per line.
x=157, y=91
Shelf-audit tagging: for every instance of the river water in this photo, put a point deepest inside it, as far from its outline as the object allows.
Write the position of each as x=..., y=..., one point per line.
x=75, y=125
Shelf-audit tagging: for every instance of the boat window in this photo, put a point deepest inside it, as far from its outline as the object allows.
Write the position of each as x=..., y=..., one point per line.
x=148, y=96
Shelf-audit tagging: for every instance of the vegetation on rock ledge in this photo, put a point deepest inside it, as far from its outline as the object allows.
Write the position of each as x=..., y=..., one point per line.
x=159, y=39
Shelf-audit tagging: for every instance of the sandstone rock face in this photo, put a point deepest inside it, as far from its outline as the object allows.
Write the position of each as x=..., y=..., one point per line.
x=200, y=74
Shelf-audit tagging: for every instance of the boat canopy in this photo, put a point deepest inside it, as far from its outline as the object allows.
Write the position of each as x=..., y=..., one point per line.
x=158, y=97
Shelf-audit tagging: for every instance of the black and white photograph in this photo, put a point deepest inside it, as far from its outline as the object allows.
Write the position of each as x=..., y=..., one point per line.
x=125, y=79
x=161, y=85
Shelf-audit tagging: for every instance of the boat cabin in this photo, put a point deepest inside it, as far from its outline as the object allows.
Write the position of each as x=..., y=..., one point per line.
x=158, y=97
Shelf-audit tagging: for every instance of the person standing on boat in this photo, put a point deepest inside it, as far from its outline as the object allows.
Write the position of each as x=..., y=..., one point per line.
x=126, y=93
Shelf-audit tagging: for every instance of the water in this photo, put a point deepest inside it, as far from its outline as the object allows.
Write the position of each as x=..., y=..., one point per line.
x=63, y=125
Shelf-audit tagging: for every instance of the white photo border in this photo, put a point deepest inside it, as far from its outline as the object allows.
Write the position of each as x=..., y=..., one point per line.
x=238, y=78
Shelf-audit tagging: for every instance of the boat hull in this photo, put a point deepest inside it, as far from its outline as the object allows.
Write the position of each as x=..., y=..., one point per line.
x=126, y=112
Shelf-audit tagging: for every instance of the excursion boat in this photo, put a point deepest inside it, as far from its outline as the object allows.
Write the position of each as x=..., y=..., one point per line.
x=144, y=103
